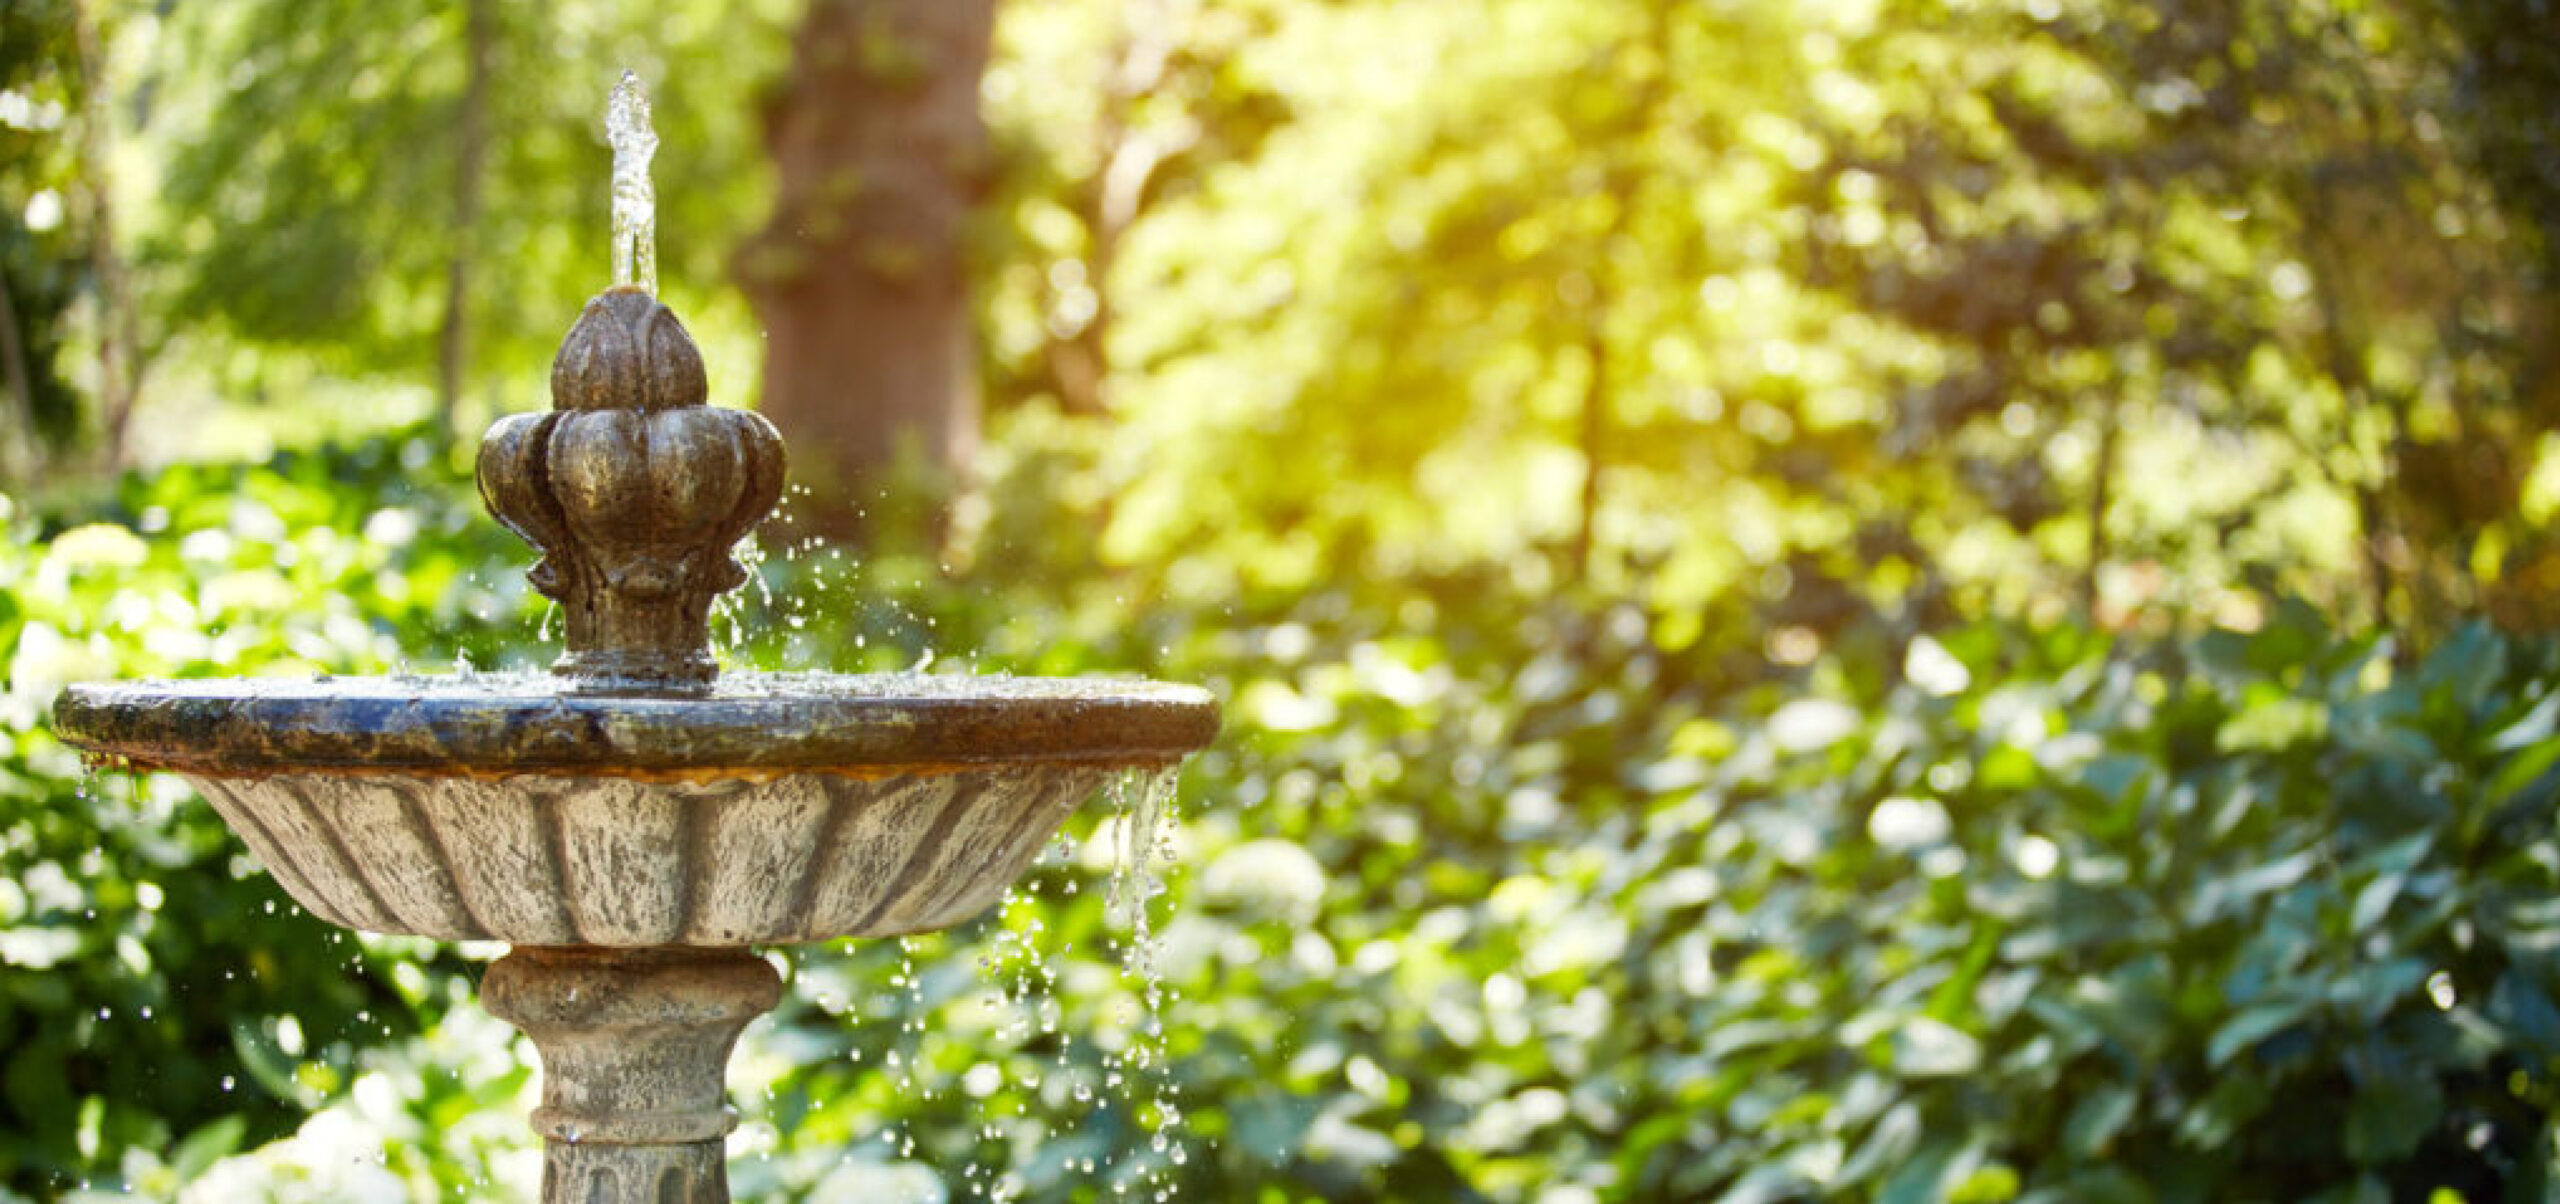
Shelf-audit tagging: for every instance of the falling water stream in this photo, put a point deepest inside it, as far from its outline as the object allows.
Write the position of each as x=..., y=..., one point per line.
x=1021, y=973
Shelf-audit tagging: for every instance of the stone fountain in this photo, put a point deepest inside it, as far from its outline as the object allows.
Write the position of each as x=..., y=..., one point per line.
x=637, y=822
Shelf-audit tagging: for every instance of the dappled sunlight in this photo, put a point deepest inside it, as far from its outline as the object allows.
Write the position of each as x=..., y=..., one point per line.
x=1894, y=601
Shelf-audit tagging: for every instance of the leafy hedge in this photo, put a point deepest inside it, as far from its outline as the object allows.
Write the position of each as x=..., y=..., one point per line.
x=2257, y=916
x=1484, y=896
x=156, y=993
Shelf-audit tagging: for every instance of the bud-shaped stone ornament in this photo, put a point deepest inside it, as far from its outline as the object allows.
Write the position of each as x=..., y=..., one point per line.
x=634, y=492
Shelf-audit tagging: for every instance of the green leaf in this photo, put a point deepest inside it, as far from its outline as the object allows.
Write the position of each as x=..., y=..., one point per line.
x=2273, y=723
x=2390, y=866
x=1892, y=1139
x=2467, y=666
x=2234, y=1104
x=267, y=1065
x=2372, y=989
x=2096, y=1119
x=2523, y=770
x=2535, y=726
x=2105, y=1185
x=1927, y=1048
x=2390, y=1115
x=2218, y=898
x=206, y=1146
x=2252, y=1025
x=1993, y=1184
x=2527, y=1013
x=1769, y=1183
x=2366, y=1189
x=1933, y=1172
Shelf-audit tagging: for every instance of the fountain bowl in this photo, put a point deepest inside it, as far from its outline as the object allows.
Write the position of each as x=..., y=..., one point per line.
x=771, y=809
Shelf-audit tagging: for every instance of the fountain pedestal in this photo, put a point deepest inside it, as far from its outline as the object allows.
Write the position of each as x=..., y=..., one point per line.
x=634, y=1044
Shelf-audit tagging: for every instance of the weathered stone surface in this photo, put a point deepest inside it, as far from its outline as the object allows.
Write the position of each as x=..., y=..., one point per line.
x=633, y=1047
x=634, y=492
x=745, y=725
x=624, y=863
x=692, y=1173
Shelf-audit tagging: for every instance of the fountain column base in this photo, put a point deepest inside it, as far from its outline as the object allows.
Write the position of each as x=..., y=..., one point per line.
x=635, y=1045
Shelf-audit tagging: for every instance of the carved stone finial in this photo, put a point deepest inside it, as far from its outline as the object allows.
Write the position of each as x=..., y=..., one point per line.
x=634, y=491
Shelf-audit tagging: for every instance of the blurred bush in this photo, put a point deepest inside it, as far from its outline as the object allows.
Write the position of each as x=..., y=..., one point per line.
x=156, y=992
x=1488, y=894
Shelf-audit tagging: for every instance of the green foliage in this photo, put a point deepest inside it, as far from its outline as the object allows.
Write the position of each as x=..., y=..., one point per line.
x=1486, y=895
x=1916, y=294
x=41, y=260
x=157, y=991
x=2512, y=131
x=308, y=200
x=2258, y=916
x=1909, y=297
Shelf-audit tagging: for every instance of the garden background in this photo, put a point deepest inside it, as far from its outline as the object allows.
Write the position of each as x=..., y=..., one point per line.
x=1887, y=600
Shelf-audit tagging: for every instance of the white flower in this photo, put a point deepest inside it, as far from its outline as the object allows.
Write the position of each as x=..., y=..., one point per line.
x=904, y=1182
x=328, y=1160
x=1271, y=876
x=1908, y=823
x=2036, y=856
x=98, y=545
x=1809, y=724
x=1936, y=671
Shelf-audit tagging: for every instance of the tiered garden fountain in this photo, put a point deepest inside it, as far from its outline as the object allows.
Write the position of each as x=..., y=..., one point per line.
x=634, y=824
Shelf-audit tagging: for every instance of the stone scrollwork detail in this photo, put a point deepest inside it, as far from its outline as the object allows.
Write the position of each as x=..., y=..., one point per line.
x=634, y=491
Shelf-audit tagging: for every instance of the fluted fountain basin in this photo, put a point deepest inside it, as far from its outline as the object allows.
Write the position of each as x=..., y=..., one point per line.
x=765, y=810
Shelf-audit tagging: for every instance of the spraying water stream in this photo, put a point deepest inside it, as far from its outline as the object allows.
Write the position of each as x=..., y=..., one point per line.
x=635, y=200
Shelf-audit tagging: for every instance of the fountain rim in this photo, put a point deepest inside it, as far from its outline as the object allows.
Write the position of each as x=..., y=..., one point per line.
x=441, y=727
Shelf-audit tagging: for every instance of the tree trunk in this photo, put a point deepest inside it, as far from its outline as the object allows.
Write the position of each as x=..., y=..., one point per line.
x=2102, y=496
x=1594, y=434
x=18, y=449
x=471, y=136
x=2343, y=339
x=860, y=277
x=119, y=340
x=1621, y=179
x=1111, y=200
